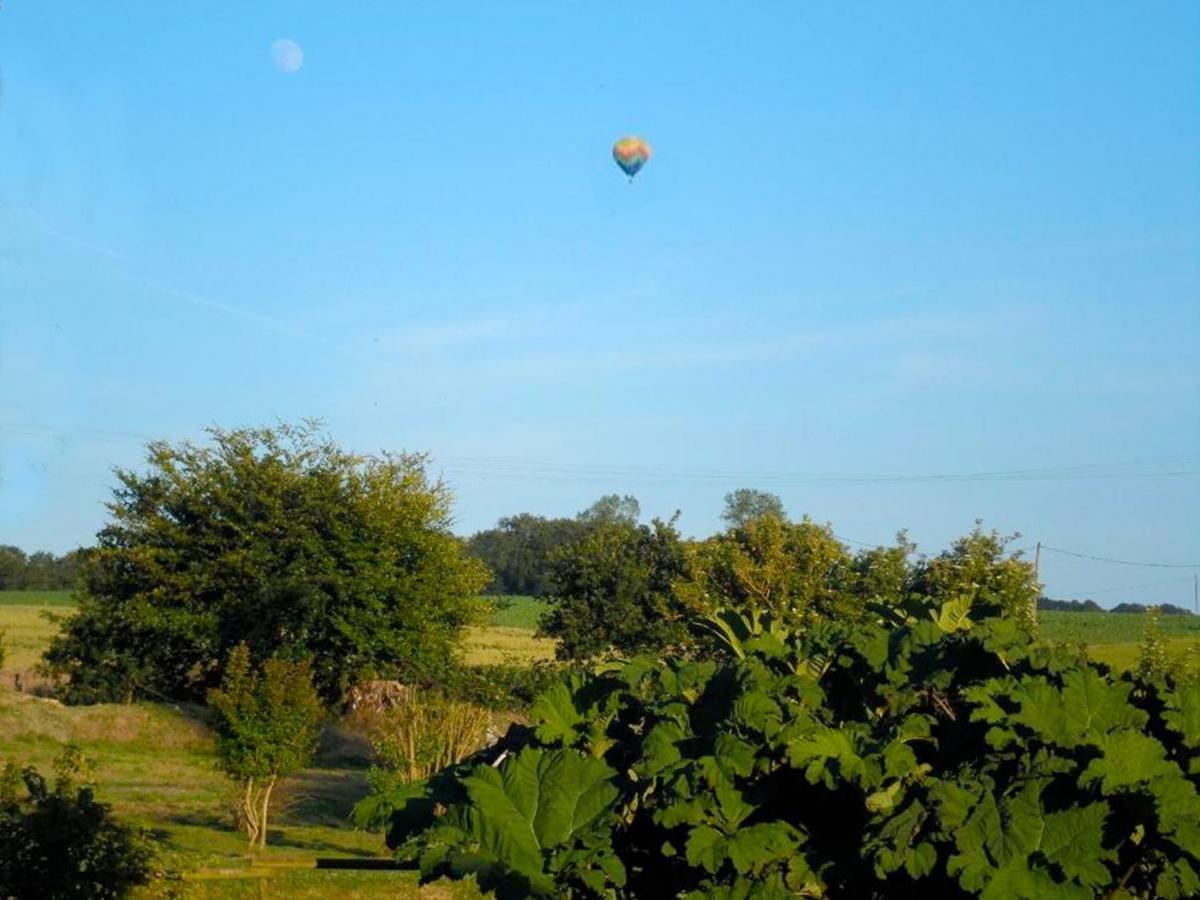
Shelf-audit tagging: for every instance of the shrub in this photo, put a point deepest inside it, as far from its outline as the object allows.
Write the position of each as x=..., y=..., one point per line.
x=927, y=750
x=59, y=841
x=501, y=687
x=423, y=734
x=267, y=728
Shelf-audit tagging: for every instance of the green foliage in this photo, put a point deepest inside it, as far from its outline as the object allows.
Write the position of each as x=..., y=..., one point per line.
x=536, y=827
x=59, y=841
x=520, y=548
x=267, y=727
x=793, y=571
x=979, y=566
x=931, y=749
x=500, y=687
x=612, y=509
x=267, y=723
x=277, y=538
x=613, y=590
x=746, y=504
x=518, y=551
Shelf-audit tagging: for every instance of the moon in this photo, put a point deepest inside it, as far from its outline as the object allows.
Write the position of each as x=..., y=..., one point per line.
x=287, y=56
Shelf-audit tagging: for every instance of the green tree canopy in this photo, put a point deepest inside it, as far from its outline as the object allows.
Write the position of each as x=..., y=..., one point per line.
x=981, y=568
x=795, y=571
x=747, y=504
x=612, y=508
x=518, y=551
x=277, y=538
x=613, y=590
x=38, y=571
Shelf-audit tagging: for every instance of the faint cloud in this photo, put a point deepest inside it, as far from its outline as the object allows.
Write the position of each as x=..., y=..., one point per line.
x=278, y=325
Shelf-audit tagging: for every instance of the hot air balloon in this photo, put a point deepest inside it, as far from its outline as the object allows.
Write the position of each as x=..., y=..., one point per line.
x=631, y=153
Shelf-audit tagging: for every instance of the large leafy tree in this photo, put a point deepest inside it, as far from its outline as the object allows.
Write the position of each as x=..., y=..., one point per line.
x=277, y=538
x=612, y=508
x=613, y=590
x=520, y=548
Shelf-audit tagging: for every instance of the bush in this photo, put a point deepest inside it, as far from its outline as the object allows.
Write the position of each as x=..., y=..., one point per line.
x=267, y=728
x=501, y=687
x=277, y=538
x=60, y=841
x=422, y=735
x=931, y=749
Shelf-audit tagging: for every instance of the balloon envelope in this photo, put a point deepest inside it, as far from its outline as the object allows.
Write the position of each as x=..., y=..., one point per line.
x=631, y=153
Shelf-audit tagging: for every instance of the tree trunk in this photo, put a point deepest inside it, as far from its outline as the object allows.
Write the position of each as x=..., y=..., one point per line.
x=250, y=812
x=262, y=821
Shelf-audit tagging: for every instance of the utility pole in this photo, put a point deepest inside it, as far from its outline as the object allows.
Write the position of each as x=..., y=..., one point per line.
x=1037, y=556
x=1196, y=591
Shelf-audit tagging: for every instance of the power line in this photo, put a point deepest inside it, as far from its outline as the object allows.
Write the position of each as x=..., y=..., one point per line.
x=528, y=470
x=1123, y=562
x=1129, y=587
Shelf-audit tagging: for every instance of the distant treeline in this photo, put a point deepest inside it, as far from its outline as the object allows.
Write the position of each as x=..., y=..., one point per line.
x=519, y=548
x=1167, y=609
x=38, y=571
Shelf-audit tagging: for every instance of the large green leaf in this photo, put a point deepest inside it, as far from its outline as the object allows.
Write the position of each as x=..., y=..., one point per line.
x=1085, y=710
x=537, y=801
x=1073, y=840
x=1183, y=713
x=1129, y=759
x=557, y=715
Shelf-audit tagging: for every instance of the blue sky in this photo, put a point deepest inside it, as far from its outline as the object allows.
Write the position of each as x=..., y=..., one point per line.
x=875, y=241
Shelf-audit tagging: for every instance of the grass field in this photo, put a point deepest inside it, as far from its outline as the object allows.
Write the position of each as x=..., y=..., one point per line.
x=517, y=611
x=155, y=764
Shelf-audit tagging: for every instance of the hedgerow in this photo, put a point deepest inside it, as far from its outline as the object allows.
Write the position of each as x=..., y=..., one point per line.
x=934, y=750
